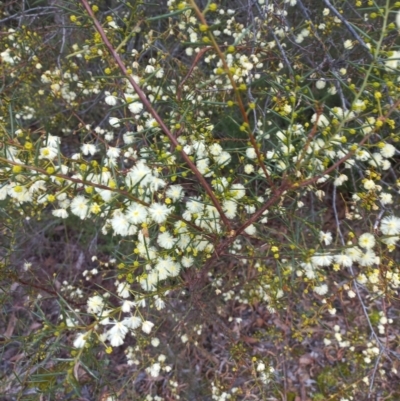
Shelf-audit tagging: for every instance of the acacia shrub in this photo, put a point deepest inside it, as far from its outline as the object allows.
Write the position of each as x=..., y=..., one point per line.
x=244, y=157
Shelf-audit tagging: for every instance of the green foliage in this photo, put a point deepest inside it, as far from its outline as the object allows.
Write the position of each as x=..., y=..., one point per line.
x=199, y=200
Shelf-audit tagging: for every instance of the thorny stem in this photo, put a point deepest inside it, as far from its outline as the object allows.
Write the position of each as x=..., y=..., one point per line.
x=155, y=115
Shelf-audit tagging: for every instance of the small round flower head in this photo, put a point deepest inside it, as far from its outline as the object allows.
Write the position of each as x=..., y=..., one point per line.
x=322, y=259
x=223, y=158
x=366, y=241
x=88, y=149
x=343, y=260
x=353, y=253
x=390, y=225
x=80, y=340
x=260, y=367
x=159, y=212
x=149, y=69
x=386, y=198
x=117, y=333
x=154, y=370
x=321, y=83
x=48, y=153
x=160, y=73
x=340, y=180
x=388, y=150
x=251, y=153
x=155, y=342
x=132, y=322
x=175, y=192
x=127, y=306
x=135, y=107
x=159, y=303
x=326, y=238
x=238, y=191
x=321, y=289
x=61, y=213
x=123, y=290
x=368, y=258
x=136, y=213
x=114, y=122
x=111, y=100
x=95, y=304
x=120, y=225
x=147, y=326
x=322, y=120
x=348, y=44
x=166, y=240
x=230, y=209
x=161, y=268
x=79, y=206
x=376, y=160
x=215, y=149
x=369, y=185
x=53, y=141
x=113, y=152
x=249, y=168
x=173, y=268
x=187, y=261
x=251, y=229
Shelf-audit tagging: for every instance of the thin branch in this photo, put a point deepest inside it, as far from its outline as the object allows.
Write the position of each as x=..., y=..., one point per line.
x=228, y=241
x=349, y=27
x=25, y=14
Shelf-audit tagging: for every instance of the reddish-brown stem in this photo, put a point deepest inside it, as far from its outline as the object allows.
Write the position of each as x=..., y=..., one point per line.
x=196, y=60
x=228, y=241
x=155, y=115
